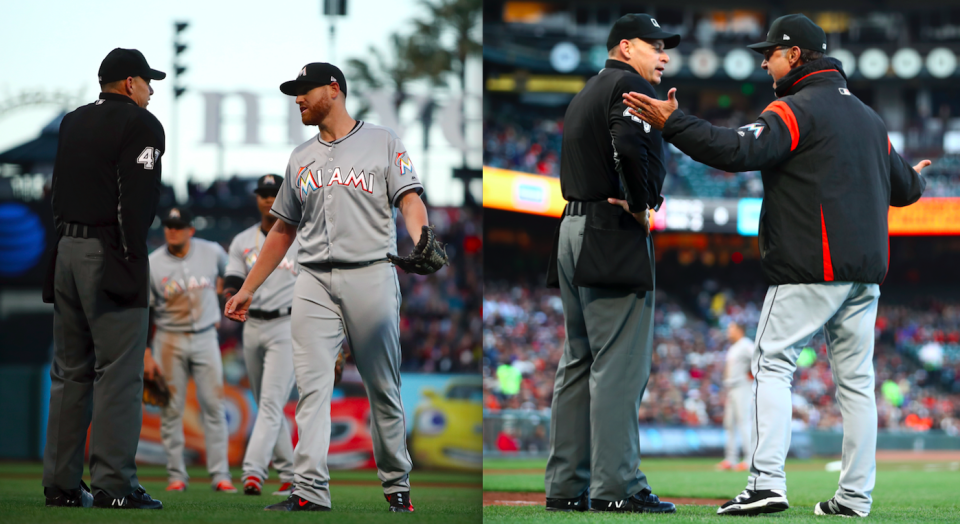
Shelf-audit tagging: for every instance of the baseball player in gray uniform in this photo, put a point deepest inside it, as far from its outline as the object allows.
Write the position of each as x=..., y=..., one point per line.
x=184, y=277
x=339, y=199
x=267, y=348
x=738, y=408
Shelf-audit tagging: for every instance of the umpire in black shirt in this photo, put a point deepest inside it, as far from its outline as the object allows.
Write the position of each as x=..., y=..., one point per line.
x=106, y=183
x=611, y=172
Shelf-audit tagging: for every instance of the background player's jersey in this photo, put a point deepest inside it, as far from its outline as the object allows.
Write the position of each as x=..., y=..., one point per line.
x=276, y=292
x=342, y=195
x=738, y=363
x=183, y=291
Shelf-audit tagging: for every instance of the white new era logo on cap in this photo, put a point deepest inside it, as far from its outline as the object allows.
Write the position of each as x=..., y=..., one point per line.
x=303, y=72
x=654, y=22
x=786, y=37
x=332, y=79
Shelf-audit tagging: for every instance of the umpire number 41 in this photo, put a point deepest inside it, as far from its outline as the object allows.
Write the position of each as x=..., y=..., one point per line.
x=148, y=157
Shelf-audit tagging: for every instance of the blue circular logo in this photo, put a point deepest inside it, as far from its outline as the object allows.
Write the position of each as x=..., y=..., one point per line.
x=22, y=239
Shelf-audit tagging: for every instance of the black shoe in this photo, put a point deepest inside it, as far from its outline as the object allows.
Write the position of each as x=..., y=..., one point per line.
x=756, y=502
x=295, y=503
x=832, y=507
x=400, y=502
x=139, y=499
x=643, y=502
x=578, y=504
x=75, y=498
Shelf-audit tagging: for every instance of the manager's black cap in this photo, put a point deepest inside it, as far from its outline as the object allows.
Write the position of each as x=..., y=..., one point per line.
x=315, y=75
x=121, y=63
x=177, y=217
x=793, y=30
x=640, y=26
x=268, y=185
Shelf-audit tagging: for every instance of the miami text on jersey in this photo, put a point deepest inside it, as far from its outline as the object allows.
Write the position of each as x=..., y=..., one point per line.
x=307, y=182
x=173, y=287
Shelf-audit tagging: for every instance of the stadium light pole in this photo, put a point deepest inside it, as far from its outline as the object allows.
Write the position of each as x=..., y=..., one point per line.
x=178, y=90
x=333, y=9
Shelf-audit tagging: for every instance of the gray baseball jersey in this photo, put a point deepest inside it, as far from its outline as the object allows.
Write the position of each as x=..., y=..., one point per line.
x=183, y=291
x=276, y=292
x=738, y=363
x=349, y=189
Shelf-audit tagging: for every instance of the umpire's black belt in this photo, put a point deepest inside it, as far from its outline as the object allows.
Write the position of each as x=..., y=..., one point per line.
x=261, y=314
x=80, y=230
x=327, y=266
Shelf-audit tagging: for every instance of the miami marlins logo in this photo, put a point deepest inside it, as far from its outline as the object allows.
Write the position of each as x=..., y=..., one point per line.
x=754, y=128
x=249, y=258
x=404, y=163
x=170, y=287
x=306, y=182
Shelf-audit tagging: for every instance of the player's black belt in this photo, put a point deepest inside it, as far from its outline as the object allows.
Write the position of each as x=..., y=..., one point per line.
x=261, y=314
x=327, y=266
x=80, y=230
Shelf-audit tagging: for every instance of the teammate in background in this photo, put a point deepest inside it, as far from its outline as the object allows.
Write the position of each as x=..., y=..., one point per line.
x=339, y=199
x=737, y=411
x=185, y=275
x=267, y=348
x=830, y=175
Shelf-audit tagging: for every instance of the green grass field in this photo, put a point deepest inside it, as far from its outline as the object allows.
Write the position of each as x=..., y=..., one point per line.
x=440, y=497
x=905, y=491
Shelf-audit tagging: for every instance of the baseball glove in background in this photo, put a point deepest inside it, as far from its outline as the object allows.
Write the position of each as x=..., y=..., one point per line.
x=155, y=391
x=428, y=256
x=338, y=367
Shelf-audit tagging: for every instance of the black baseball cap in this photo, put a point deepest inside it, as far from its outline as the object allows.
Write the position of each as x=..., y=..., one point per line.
x=315, y=75
x=643, y=26
x=793, y=30
x=177, y=217
x=268, y=185
x=122, y=63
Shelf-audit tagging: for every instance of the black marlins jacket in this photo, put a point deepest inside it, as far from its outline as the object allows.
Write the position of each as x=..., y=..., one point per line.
x=829, y=175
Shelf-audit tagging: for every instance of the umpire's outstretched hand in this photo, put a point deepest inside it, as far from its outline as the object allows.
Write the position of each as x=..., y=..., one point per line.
x=654, y=112
x=238, y=305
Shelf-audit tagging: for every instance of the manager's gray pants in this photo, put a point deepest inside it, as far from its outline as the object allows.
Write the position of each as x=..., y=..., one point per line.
x=791, y=315
x=594, y=432
x=180, y=356
x=268, y=353
x=364, y=305
x=96, y=376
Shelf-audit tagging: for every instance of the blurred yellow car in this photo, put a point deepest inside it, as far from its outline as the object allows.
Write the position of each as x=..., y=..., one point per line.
x=448, y=429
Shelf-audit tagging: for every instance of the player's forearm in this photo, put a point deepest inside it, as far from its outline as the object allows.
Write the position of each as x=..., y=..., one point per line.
x=279, y=240
x=414, y=215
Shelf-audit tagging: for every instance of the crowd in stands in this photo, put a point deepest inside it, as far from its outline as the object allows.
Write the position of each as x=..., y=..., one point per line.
x=917, y=359
x=440, y=323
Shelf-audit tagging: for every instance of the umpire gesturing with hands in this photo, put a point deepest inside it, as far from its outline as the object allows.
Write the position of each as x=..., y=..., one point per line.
x=611, y=172
x=830, y=175
x=106, y=183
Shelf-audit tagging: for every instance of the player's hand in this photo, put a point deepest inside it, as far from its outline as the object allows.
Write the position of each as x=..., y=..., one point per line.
x=238, y=305
x=654, y=112
x=642, y=217
x=921, y=165
x=150, y=366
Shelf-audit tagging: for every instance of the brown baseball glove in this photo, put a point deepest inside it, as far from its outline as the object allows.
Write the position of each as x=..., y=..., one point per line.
x=428, y=256
x=338, y=369
x=155, y=391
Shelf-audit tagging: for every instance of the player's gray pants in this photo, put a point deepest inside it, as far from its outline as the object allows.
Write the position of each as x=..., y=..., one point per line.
x=364, y=305
x=268, y=353
x=594, y=434
x=737, y=421
x=96, y=376
x=791, y=315
x=180, y=356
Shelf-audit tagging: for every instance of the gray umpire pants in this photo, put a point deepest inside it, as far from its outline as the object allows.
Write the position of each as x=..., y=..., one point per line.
x=180, y=356
x=594, y=431
x=96, y=376
x=791, y=315
x=362, y=304
x=737, y=421
x=268, y=353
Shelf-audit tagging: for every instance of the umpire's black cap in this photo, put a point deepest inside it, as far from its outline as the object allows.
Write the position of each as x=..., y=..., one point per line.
x=793, y=30
x=643, y=26
x=177, y=218
x=122, y=63
x=268, y=185
x=315, y=75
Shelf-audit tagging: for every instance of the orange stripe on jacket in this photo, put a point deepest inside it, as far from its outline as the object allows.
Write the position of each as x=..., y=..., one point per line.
x=827, y=263
x=786, y=114
x=888, y=145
